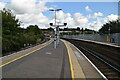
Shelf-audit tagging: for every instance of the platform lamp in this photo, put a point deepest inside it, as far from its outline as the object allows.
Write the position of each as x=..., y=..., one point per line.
x=51, y=24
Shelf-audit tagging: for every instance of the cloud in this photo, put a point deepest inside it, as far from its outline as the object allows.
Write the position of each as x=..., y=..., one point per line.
x=33, y=18
x=111, y=17
x=32, y=12
x=77, y=20
x=61, y=15
x=29, y=11
x=95, y=15
x=64, y=18
x=99, y=14
x=25, y=6
x=88, y=9
x=95, y=25
x=70, y=21
x=80, y=19
x=2, y=5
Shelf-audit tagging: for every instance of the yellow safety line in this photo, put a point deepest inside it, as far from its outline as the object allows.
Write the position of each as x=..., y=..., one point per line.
x=70, y=60
x=25, y=55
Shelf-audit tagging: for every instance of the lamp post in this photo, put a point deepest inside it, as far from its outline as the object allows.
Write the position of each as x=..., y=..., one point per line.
x=58, y=36
x=109, y=34
x=56, y=27
x=55, y=10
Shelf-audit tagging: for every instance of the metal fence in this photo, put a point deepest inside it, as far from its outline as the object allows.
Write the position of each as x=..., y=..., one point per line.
x=112, y=38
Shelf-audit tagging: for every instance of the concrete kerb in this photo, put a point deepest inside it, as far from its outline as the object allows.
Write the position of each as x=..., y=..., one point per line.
x=91, y=63
x=76, y=70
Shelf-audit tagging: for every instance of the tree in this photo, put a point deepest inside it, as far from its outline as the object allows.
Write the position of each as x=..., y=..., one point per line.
x=78, y=29
x=33, y=29
x=50, y=29
x=9, y=34
x=113, y=25
x=14, y=37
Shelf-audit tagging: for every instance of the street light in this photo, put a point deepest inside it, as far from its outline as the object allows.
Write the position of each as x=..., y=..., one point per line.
x=54, y=9
x=109, y=34
x=51, y=24
x=55, y=12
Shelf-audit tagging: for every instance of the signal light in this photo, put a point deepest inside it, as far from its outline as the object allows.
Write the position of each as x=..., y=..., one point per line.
x=65, y=24
x=51, y=24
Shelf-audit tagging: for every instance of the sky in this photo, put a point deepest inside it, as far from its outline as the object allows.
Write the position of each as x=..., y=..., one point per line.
x=91, y=15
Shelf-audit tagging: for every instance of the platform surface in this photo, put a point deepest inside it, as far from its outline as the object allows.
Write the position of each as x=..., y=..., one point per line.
x=44, y=63
x=66, y=61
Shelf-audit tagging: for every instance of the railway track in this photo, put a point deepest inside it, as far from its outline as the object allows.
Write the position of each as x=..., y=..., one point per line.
x=104, y=57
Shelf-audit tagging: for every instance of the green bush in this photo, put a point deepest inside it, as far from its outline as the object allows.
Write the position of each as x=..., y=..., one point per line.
x=13, y=37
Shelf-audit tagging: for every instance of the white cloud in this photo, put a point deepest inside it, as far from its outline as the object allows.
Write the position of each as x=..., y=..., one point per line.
x=88, y=9
x=27, y=6
x=2, y=5
x=64, y=18
x=95, y=25
x=60, y=15
x=77, y=20
x=70, y=22
x=95, y=15
x=111, y=17
x=33, y=18
x=80, y=19
x=99, y=14
x=30, y=12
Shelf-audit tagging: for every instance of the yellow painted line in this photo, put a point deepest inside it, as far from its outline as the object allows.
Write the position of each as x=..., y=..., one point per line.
x=70, y=60
x=25, y=55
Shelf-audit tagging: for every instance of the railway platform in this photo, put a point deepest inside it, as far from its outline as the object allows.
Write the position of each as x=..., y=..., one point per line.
x=102, y=43
x=44, y=61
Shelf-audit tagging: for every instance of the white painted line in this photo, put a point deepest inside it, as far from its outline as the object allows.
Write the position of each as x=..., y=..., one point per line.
x=91, y=63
